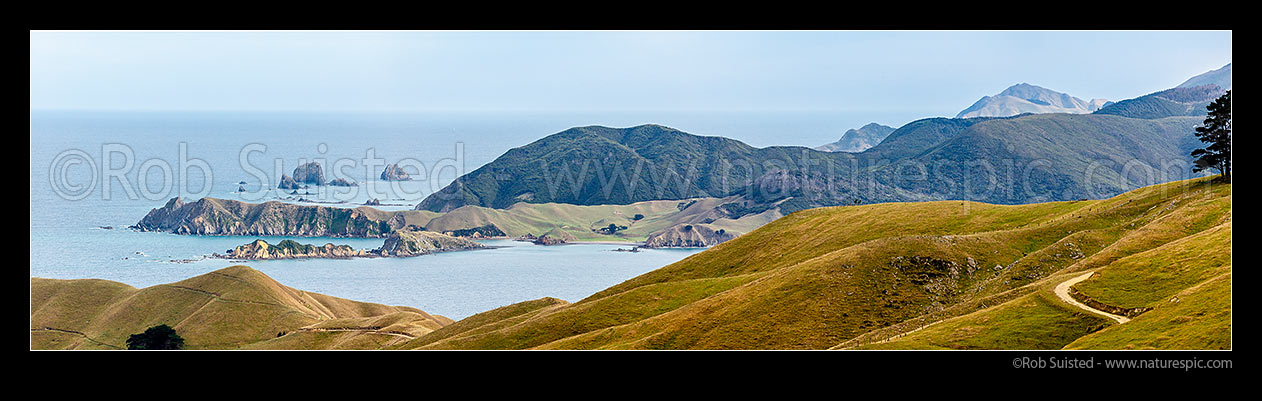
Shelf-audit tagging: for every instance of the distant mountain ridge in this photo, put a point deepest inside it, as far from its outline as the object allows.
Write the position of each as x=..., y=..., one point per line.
x=1220, y=77
x=1181, y=101
x=1188, y=99
x=1023, y=159
x=1024, y=98
x=858, y=140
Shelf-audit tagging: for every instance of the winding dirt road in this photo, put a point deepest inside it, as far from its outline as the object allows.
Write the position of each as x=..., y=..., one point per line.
x=1062, y=291
x=357, y=329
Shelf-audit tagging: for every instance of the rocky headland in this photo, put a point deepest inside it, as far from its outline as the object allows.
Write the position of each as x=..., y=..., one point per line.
x=210, y=216
x=555, y=237
x=688, y=236
x=405, y=243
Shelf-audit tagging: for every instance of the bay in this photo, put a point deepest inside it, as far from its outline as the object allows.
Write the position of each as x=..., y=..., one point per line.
x=157, y=156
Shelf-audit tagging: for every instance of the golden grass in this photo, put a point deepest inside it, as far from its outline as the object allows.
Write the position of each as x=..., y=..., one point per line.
x=1198, y=317
x=820, y=277
x=931, y=275
x=229, y=308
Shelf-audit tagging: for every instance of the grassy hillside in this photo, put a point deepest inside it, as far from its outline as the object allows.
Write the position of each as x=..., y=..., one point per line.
x=583, y=222
x=234, y=307
x=1198, y=317
x=947, y=274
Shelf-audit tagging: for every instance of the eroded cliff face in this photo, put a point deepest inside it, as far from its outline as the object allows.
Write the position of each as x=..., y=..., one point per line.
x=289, y=249
x=688, y=236
x=413, y=243
x=210, y=216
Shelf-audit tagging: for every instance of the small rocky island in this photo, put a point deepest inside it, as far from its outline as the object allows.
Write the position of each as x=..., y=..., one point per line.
x=287, y=182
x=404, y=243
x=342, y=182
x=290, y=249
x=395, y=173
x=309, y=173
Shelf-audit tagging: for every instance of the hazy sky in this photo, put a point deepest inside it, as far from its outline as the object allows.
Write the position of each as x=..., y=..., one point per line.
x=928, y=72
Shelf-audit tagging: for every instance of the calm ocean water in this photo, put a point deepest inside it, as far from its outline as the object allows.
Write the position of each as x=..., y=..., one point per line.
x=156, y=155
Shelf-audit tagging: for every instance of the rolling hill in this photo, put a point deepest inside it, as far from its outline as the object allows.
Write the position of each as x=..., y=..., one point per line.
x=231, y=308
x=940, y=275
x=858, y=140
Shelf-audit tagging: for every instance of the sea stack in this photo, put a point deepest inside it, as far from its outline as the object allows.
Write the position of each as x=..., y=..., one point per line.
x=287, y=182
x=309, y=173
x=395, y=173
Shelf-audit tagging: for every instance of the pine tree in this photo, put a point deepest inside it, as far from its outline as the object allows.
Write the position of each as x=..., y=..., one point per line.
x=1217, y=132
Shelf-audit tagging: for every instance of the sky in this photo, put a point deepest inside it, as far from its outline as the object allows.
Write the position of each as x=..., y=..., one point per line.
x=926, y=73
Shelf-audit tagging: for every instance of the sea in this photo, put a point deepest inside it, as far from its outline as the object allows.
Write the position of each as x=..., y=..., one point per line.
x=95, y=173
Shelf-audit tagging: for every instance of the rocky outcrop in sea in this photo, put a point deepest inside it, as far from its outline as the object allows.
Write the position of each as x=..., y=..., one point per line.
x=309, y=173
x=403, y=243
x=395, y=173
x=290, y=249
x=287, y=182
x=342, y=182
